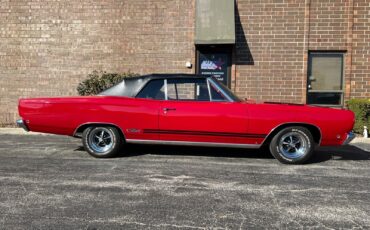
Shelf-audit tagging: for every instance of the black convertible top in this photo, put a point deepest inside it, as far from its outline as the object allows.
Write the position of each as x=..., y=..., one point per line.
x=130, y=87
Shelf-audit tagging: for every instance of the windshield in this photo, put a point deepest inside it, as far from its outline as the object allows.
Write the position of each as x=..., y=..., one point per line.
x=226, y=90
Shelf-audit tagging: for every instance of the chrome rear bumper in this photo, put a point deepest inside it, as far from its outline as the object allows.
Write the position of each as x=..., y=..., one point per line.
x=350, y=137
x=21, y=124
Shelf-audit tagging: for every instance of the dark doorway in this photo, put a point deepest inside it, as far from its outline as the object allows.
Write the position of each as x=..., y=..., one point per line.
x=215, y=60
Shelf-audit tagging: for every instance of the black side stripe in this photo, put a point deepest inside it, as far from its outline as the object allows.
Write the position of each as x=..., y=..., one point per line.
x=203, y=133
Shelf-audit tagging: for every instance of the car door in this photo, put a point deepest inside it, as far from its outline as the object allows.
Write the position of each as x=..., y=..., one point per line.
x=143, y=112
x=189, y=115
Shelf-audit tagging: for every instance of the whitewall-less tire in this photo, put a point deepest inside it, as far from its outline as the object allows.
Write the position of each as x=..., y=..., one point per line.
x=102, y=141
x=292, y=145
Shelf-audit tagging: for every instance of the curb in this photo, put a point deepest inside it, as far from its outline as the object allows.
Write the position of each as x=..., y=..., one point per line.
x=18, y=131
x=361, y=143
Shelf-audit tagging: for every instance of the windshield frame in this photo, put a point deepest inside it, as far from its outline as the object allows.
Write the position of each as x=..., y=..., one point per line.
x=224, y=90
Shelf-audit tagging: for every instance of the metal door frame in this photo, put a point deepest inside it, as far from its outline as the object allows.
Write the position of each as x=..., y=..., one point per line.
x=312, y=54
x=209, y=49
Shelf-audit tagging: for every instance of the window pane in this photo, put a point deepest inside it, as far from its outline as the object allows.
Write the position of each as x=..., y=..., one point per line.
x=202, y=91
x=153, y=90
x=187, y=89
x=325, y=98
x=326, y=72
x=216, y=94
x=171, y=91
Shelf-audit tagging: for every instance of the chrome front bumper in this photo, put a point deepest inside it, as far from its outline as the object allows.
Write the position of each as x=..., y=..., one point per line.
x=21, y=124
x=350, y=137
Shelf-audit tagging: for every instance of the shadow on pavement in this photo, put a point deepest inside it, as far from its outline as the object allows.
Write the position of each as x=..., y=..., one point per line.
x=322, y=154
x=347, y=152
x=132, y=150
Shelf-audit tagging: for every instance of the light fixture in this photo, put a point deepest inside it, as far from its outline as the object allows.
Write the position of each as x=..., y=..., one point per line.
x=188, y=64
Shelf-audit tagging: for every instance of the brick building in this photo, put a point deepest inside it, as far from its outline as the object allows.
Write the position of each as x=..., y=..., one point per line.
x=301, y=51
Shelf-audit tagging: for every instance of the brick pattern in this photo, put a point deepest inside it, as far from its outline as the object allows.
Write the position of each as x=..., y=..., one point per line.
x=274, y=38
x=48, y=47
x=360, y=73
x=270, y=50
x=329, y=24
x=331, y=30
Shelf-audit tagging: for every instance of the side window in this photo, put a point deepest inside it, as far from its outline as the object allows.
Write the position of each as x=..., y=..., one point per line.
x=187, y=89
x=216, y=95
x=171, y=91
x=182, y=89
x=153, y=90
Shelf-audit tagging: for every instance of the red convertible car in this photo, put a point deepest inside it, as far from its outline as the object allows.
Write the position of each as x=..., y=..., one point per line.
x=180, y=109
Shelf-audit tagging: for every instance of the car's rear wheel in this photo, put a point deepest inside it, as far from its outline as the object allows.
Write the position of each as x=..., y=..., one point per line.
x=102, y=141
x=292, y=145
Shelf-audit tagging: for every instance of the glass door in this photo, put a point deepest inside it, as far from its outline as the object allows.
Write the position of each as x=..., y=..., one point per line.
x=215, y=61
x=325, y=79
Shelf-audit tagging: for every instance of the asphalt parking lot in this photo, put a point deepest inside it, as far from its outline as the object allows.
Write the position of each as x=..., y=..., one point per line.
x=49, y=182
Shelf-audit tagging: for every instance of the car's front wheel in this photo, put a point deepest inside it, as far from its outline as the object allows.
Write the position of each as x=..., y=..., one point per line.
x=102, y=141
x=292, y=145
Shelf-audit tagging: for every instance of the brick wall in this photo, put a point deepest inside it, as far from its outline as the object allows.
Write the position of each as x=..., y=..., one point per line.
x=360, y=73
x=272, y=35
x=331, y=30
x=274, y=38
x=47, y=47
x=329, y=24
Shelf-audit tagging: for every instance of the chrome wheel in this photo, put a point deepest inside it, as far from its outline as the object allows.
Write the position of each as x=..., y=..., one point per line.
x=101, y=140
x=293, y=145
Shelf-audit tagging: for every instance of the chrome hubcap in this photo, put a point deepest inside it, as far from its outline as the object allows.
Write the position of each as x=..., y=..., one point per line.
x=101, y=140
x=293, y=145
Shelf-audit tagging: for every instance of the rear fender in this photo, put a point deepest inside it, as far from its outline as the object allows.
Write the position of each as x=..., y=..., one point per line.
x=79, y=130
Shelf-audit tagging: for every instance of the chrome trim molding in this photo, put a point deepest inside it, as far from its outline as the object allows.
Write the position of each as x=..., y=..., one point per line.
x=165, y=90
x=221, y=90
x=349, y=138
x=209, y=90
x=20, y=123
x=190, y=143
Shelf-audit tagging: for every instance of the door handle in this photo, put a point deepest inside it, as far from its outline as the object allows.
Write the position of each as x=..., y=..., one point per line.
x=168, y=109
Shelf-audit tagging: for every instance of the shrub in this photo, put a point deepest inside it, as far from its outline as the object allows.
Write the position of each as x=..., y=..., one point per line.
x=361, y=108
x=97, y=81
